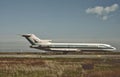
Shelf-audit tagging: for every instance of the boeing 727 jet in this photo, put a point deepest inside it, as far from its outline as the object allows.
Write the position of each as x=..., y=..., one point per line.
x=48, y=45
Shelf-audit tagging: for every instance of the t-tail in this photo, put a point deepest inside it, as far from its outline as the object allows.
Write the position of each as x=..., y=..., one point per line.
x=35, y=40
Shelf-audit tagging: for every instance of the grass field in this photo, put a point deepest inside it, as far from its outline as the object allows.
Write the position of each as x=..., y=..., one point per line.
x=59, y=67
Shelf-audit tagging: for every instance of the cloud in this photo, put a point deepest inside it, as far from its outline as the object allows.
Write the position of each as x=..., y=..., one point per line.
x=102, y=12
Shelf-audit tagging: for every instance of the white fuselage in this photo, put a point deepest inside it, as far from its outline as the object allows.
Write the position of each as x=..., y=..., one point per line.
x=75, y=47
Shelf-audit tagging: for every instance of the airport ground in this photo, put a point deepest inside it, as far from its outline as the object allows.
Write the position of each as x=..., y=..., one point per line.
x=29, y=65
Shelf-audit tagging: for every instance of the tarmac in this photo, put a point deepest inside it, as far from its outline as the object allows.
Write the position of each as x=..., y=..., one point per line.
x=57, y=56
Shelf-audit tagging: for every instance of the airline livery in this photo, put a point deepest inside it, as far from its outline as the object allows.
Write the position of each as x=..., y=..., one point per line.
x=47, y=45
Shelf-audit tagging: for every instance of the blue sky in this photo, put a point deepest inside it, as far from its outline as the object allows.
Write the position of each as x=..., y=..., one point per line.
x=59, y=19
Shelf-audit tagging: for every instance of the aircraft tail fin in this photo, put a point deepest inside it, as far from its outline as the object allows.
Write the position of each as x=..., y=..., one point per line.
x=35, y=40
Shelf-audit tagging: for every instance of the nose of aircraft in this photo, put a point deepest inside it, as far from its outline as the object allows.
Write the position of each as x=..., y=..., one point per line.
x=113, y=48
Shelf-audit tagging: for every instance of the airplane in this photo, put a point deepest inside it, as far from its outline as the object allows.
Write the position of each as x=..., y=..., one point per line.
x=48, y=45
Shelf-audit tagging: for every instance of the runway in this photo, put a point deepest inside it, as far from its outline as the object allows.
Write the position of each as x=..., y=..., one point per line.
x=57, y=56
